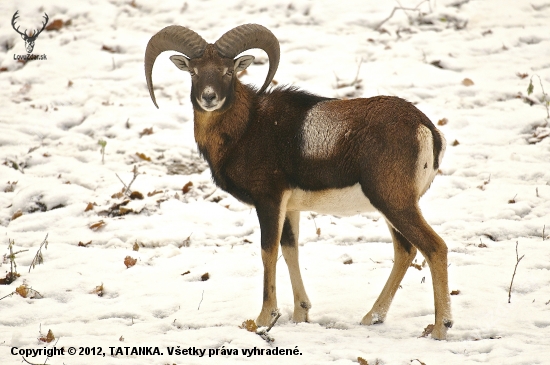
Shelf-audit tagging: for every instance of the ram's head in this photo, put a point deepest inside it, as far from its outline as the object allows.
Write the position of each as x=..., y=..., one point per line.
x=213, y=67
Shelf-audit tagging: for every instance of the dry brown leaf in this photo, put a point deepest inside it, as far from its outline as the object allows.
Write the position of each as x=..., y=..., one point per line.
x=89, y=207
x=117, y=195
x=205, y=276
x=455, y=292
x=57, y=24
x=482, y=187
x=249, y=325
x=98, y=225
x=318, y=232
x=185, y=273
x=82, y=244
x=186, y=242
x=467, y=82
x=16, y=215
x=436, y=63
x=421, y=363
x=142, y=156
x=146, y=132
x=109, y=49
x=11, y=187
x=46, y=154
x=124, y=211
x=155, y=192
x=443, y=121
x=362, y=361
x=455, y=143
x=348, y=262
x=98, y=290
x=427, y=331
x=49, y=337
x=135, y=247
x=187, y=187
x=22, y=290
x=9, y=278
x=416, y=266
x=136, y=195
x=521, y=75
x=129, y=261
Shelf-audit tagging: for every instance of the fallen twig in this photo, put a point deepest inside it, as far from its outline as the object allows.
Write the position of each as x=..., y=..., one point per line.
x=9, y=295
x=545, y=100
x=263, y=333
x=518, y=259
x=202, y=297
x=355, y=81
x=136, y=173
x=400, y=8
x=45, y=361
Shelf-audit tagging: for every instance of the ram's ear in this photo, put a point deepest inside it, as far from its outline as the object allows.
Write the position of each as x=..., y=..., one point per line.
x=181, y=62
x=242, y=63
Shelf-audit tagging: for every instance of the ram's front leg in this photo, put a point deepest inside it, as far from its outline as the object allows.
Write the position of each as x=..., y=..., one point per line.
x=271, y=215
x=289, y=246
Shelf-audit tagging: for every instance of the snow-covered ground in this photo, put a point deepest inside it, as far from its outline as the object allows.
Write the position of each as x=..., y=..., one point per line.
x=493, y=192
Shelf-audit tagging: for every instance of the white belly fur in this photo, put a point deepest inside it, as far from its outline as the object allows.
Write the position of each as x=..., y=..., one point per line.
x=344, y=202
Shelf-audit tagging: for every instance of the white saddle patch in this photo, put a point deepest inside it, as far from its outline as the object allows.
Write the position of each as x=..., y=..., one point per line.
x=320, y=133
x=345, y=202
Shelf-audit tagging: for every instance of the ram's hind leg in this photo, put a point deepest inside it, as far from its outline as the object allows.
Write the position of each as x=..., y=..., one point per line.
x=404, y=253
x=289, y=246
x=412, y=225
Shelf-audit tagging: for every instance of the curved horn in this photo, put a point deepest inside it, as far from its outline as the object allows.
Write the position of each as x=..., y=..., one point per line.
x=249, y=36
x=171, y=38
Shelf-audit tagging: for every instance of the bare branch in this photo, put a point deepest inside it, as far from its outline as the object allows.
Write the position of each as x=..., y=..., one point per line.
x=264, y=333
x=202, y=297
x=123, y=183
x=136, y=173
x=9, y=295
x=400, y=8
x=38, y=259
x=355, y=81
x=518, y=259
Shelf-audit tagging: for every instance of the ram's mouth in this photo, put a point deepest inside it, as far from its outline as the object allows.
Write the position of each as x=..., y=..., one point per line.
x=210, y=106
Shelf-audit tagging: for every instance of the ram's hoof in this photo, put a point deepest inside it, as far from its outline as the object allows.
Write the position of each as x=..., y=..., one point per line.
x=372, y=318
x=301, y=312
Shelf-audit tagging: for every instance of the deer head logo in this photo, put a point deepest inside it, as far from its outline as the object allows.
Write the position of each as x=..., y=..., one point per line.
x=28, y=38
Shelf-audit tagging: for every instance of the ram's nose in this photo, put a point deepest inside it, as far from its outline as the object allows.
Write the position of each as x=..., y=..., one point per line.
x=209, y=97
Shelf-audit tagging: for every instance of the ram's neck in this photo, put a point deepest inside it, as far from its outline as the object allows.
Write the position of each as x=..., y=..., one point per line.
x=217, y=133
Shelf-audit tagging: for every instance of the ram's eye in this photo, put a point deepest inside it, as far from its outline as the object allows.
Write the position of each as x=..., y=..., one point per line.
x=228, y=72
